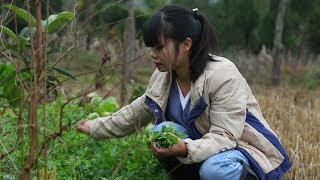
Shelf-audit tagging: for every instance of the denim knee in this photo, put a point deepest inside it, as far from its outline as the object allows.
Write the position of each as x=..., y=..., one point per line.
x=223, y=166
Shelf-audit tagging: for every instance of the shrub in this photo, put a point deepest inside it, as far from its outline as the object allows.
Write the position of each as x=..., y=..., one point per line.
x=311, y=78
x=9, y=83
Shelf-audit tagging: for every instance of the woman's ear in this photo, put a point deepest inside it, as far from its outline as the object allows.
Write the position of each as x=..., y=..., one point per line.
x=187, y=43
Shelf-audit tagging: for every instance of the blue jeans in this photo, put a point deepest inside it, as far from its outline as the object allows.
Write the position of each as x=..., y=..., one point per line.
x=225, y=165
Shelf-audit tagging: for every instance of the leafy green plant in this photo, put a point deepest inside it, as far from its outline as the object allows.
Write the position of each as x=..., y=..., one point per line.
x=106, y=106
x=8, y=83
x=75, y=156
x=167, y=137
x=19, y=48
x=101, y=107
x=28, y=51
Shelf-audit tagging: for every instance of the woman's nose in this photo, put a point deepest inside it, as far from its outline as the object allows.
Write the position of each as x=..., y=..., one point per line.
x=153, y=54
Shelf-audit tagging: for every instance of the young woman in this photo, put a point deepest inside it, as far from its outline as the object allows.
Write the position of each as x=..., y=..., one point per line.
x=204, y=94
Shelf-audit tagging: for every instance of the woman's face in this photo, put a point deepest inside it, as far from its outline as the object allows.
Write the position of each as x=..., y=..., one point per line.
x=165, y=56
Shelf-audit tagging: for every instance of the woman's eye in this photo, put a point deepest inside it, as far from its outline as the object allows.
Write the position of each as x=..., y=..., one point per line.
x=160, y=46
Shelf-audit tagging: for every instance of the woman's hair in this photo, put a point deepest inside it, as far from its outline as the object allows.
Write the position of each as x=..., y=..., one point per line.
x=178, y=23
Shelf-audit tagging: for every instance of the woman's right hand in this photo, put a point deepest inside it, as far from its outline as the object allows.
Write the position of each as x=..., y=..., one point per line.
x=84, y=126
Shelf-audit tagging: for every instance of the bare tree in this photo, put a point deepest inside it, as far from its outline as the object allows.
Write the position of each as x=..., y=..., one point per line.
x=129, y=50
x=34, y=95
x=278, y=43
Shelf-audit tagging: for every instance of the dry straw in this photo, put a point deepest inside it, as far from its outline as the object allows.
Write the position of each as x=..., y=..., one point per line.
x=295, y=117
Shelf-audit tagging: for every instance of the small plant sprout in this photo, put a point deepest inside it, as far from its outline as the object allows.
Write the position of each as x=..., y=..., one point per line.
x=167, y=137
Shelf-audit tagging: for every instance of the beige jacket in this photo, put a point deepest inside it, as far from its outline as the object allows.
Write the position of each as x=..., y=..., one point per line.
x=222, y=124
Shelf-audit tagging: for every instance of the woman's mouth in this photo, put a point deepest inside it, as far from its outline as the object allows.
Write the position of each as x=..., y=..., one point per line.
x=157, y=64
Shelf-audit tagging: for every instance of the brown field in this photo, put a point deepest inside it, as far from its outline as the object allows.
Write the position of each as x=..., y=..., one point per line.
x=295, y=117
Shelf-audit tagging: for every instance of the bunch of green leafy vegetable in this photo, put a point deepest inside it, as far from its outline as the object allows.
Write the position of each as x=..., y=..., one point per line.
x=167, y=137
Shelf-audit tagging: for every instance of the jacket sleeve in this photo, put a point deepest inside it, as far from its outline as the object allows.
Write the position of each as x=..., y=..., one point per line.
x=227, y=113
x=125, y=121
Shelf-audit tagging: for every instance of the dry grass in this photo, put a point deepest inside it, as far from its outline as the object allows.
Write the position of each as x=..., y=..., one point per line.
x=295, y=117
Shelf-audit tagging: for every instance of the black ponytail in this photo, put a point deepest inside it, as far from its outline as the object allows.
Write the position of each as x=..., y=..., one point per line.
x=200, y=51
x=177, y=23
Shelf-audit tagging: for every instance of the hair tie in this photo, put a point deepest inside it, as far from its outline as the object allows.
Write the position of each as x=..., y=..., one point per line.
x=195, y=13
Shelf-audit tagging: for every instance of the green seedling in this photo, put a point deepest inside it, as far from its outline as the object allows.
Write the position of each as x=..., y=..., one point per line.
x=167, y=137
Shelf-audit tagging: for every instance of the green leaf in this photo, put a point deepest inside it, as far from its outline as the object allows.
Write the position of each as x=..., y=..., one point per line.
x=63, y=71
x=25, y=32
x=56, y=21
x=8, y=32
x=22, y=43
x=107, y=105
x=22, y=13
x=95, y=100
x=163, y=129
x=93, y=115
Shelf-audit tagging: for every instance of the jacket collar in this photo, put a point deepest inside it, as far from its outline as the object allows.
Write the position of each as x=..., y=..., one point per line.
x=160, y=89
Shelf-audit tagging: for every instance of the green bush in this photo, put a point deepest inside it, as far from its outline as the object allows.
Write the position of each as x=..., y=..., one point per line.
x=9, y=84
x=312, y=81
x=74, y=155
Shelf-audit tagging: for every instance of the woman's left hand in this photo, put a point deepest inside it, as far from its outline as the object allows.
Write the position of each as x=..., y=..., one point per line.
x=179, y=149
